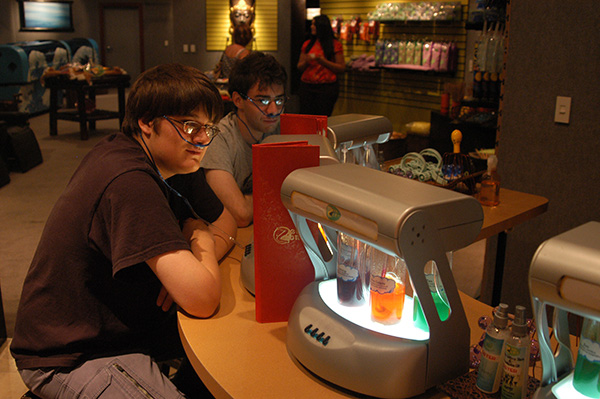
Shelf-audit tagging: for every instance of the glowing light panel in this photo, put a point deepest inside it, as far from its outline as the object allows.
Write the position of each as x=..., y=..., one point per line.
x=361, y=315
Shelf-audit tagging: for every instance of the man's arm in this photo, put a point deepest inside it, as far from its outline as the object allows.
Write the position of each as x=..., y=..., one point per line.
x=224, y=229
x=239, y=205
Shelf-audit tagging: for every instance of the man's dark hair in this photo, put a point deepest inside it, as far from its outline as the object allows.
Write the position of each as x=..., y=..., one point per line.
x=259, y=68
x=170, y=89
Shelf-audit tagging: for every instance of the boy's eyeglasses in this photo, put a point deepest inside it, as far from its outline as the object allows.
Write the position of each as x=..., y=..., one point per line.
x=263, y=103
x=206, y=133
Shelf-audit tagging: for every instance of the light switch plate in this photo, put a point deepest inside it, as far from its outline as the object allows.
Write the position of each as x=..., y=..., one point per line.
x=562, y=112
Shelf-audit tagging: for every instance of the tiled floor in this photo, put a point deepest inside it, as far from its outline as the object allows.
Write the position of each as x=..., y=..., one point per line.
x=11, y=386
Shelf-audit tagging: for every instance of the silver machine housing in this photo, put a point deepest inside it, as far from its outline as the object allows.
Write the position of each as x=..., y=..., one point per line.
x=412, y=220
x=564, y=275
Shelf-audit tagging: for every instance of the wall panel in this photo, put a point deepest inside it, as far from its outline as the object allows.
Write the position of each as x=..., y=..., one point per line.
x=402, y=96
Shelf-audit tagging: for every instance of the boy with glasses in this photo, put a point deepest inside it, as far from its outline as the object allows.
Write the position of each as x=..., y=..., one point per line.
x=136, y=230
x=257, y=89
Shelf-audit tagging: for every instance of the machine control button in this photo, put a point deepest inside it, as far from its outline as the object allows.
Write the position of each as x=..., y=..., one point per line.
x=318, y=336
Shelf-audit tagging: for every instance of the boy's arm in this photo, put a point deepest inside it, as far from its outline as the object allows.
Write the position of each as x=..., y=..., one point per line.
x=239, y=205
x=192, y=279
x=224, y=228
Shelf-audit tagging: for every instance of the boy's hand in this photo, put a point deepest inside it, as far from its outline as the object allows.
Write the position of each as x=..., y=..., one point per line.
x=195, y=229
x=164, y=300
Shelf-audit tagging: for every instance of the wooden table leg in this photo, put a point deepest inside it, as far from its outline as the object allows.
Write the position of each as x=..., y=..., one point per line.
x=493, y=269
x=92, y=97
x=121, y=96
x=83, y=131
x=499, y=269
x=53, y=111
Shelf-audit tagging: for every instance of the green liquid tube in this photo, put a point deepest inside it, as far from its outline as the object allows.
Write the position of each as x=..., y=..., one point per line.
x=439, y=299
x=587, y=369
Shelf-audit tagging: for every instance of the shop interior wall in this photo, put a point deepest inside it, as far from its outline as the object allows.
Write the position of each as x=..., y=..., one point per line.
x=402, y=96
x=168, y=25
x=557, y=55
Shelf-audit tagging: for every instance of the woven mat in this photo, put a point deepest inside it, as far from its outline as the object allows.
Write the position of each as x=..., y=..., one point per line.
x=463, y=387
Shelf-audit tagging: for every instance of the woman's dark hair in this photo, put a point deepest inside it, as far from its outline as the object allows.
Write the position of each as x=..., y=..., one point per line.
x=242, y=35
x=170, y=89
x=257, y=67
x=324, y=35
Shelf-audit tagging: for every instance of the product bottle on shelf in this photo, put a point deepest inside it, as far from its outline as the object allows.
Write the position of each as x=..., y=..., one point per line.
x=587, y=367
x=489, y=194
x=516, y=358
x=492, y=354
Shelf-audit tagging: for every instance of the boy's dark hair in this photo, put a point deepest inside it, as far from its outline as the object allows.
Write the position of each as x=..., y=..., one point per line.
x=257, y=67
x=170, y=89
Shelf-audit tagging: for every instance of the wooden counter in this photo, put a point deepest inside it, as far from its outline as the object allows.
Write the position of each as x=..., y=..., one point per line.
x=237, y=357
x=515, y=208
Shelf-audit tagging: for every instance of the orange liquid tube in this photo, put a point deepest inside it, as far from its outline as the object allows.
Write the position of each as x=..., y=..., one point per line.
x=386, y=307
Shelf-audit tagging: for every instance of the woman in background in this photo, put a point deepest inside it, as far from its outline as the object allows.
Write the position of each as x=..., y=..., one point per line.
x=242, y=35
x=321, y=60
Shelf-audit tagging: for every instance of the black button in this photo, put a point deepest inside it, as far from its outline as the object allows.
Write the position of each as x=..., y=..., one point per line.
x=314, y=332
x=307, y=328
x=326, y=340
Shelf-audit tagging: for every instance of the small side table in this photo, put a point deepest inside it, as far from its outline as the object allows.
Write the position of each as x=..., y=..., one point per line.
x=82, y=87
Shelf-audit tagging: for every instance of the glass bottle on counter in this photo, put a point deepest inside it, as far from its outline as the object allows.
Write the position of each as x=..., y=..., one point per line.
x=351, y=285
x=587, y=368
x=387, y=289
x=489, y=194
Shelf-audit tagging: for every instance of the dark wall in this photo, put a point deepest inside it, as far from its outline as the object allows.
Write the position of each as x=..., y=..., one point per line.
x=553, y=51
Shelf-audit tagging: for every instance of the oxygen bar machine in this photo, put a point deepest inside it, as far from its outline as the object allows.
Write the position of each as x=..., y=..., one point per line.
x=564, y=277
x=407, y=219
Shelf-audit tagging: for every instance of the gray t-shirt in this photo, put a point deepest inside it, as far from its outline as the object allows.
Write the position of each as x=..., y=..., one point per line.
x=230, y=152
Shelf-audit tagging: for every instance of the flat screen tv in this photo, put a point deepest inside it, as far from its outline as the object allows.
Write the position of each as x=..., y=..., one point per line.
x=38, y=15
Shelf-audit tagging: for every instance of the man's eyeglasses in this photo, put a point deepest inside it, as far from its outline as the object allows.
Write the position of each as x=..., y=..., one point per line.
x=262, y=103
x=206, y=133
